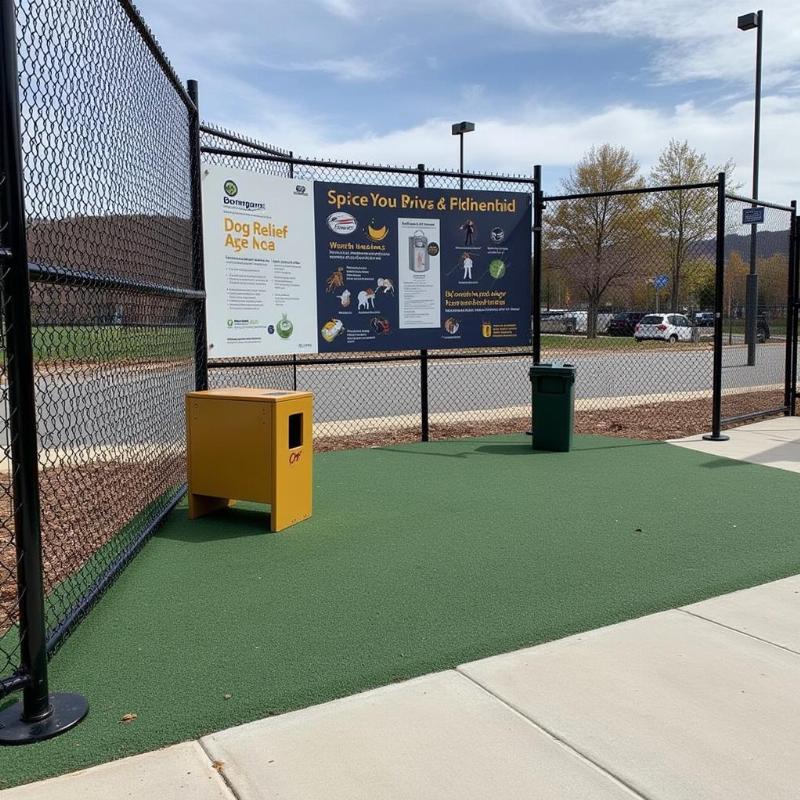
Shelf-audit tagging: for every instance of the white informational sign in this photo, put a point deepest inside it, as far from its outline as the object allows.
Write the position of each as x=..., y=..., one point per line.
x=419, y=285
x=260, y=263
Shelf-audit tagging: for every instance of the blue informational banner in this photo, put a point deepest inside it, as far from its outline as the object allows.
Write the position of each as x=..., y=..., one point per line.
x=407, y=269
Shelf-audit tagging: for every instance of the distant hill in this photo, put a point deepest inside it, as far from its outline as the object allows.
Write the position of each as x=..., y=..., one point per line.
x=768, y=243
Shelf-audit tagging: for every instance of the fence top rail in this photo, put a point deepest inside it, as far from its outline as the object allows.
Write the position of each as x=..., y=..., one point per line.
x=316, y=162
x=755, y=202
x=155, y=48
x=635, y=190
x=242, y=140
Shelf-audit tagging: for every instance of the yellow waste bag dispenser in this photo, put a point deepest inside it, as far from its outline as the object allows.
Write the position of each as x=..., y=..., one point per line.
x=250, y=444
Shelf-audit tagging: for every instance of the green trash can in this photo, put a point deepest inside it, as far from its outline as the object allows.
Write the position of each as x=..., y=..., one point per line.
x=553, y=388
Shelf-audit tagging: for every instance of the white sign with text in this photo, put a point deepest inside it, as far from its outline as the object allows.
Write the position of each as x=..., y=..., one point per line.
x=260, y=263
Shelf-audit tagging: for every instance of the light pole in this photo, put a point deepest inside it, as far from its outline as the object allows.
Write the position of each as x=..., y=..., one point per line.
x=746, y=23
x=459, y=129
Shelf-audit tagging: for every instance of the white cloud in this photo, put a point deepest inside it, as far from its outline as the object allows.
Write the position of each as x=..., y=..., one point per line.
x=354, y=68
x=531, y=14
x=699, y=40
x=341, y=8
x=556, y=137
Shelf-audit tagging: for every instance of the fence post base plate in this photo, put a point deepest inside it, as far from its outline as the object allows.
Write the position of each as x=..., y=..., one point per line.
x=709, y=437
x=68, y=711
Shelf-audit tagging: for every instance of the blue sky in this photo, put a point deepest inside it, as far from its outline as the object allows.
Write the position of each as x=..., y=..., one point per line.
x=543, y=80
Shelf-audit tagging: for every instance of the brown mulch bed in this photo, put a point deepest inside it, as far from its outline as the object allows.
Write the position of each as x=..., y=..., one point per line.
x=672, y=420
x=83, y=507
x=653, y=421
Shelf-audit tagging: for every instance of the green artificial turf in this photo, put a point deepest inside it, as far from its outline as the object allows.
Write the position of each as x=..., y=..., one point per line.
x=418, y=558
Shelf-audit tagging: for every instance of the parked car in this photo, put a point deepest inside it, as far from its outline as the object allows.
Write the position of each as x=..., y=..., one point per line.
x=624, y=323
x=556, y=320
x=704, y=319
x=581, y=321
x=667, y=327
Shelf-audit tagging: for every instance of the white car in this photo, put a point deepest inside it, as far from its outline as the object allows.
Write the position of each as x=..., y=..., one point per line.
x=667, y=327
x=555, y=321
x=582, y=321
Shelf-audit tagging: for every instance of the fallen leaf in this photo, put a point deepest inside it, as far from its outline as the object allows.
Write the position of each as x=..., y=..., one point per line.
x=218, y=765
x=226, y=697
x=128, y=717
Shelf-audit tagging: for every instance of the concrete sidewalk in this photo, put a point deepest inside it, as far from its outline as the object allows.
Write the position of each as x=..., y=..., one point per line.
x=697, y=702
x=771, y=443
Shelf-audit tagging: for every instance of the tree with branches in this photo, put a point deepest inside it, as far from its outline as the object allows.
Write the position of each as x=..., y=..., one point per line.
x=684, y=217
x=602, y=241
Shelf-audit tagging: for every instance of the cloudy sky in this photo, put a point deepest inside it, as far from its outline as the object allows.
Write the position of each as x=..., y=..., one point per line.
x=543, y=80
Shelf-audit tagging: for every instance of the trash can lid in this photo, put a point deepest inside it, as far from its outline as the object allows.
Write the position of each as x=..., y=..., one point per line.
x=553, y=368
x=548, y=365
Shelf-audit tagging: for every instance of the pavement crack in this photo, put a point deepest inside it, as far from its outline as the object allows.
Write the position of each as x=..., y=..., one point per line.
x=738, y=630
x=221, y=772
x=579, y=754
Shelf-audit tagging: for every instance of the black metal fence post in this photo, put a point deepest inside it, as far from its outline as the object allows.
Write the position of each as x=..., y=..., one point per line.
x=538, y=209
x=793, y=311
x=423, y=391
x=719, y=288
x=198, y=265
x=423, y=354
x=40, y=715
x=291, y=164
x=790, y=296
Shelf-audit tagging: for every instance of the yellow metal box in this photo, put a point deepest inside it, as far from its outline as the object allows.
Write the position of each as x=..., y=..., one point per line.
x=250, y=444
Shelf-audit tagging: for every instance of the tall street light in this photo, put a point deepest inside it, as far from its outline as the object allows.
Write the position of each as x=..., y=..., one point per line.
x=459, y=129
x=746, y=23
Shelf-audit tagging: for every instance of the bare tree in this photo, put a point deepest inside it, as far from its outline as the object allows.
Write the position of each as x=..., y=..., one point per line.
x=600, y=241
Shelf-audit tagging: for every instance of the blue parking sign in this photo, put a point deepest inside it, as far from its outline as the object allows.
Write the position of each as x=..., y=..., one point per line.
x=661, y=281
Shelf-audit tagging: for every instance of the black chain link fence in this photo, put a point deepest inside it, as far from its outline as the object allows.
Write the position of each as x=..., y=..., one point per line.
x=754, y=379
x=628, y=296
x=9, y=640
x=107, y=177
x=628, y=290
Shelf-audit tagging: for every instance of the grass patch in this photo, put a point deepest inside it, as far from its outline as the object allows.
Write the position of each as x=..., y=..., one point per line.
x=419, y=557
x=103, y=343
x=578, y=342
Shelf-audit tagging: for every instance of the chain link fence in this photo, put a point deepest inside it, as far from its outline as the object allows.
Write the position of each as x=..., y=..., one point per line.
x=9, y=614
x=754, y=378
x=107, y=174
x=628, y=291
